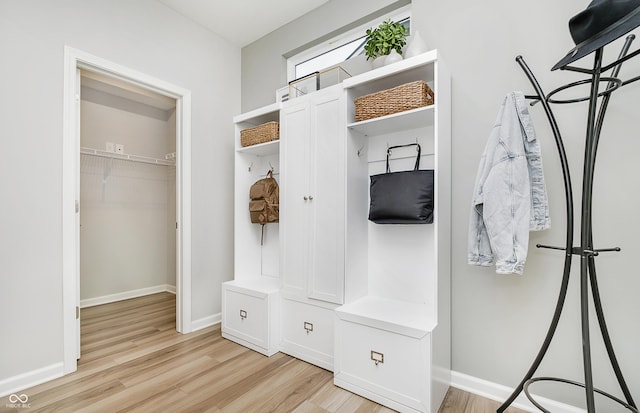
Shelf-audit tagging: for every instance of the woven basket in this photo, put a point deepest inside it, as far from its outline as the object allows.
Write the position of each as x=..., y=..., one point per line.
x=266, y=132
x=398, y=99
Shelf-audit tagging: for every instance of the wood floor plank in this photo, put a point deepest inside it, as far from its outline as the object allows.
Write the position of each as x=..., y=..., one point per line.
x=226, y=374
x=160, y=402
x=330, y=398
x=153, y=387
x=153, y=344
x=309, y=407
x=76, y=400
x=284, y=391
x=458, y=401
x=235, y=385
x=161, y=365
x=133, y=360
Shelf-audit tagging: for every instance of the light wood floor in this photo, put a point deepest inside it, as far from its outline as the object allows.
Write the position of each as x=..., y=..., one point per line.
x=133, y=360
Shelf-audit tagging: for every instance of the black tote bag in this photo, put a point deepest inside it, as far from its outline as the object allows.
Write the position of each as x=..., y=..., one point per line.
x=402, y=197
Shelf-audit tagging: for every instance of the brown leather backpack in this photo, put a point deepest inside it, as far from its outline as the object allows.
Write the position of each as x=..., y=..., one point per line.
x=264, y=206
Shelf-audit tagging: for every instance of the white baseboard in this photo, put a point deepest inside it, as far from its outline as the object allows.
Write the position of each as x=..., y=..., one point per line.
x=206, y=322
x=501, y=393
x=31, y=378
x=125, y=295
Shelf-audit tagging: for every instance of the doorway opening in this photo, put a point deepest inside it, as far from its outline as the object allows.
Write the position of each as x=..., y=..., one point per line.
x=130, y=85
x=127, y=191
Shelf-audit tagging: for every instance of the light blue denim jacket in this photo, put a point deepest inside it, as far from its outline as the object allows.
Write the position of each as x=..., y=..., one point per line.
x=509, y=197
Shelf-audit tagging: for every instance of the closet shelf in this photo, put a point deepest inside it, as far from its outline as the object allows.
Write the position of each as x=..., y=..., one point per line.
x=127, y=157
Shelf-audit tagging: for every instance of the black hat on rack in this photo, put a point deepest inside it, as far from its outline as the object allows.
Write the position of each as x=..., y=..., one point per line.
x=602, y=22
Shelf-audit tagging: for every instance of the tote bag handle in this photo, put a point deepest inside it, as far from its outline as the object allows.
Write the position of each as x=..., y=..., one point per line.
x=417, y=165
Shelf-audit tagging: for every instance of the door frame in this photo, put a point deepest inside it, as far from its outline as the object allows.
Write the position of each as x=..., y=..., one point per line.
x=74, y=60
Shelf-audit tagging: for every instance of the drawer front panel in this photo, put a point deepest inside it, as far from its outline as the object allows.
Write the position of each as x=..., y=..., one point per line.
x=392, y=365
x=308, y=326
x=246, y=317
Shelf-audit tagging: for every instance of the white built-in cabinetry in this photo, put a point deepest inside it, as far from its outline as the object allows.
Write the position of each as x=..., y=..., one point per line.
x=393, y=345
x=369, y=302
x=251, y=302
x=319, y=243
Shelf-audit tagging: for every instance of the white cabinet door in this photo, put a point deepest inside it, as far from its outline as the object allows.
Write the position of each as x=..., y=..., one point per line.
x=294, y=188
x=327, y=206
x=312, y=191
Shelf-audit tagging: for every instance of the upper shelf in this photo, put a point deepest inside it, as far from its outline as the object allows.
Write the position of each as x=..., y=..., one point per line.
x=261, y=149
x=401, y=121
x=395, y=74
x=259, y=116
x=270, y=113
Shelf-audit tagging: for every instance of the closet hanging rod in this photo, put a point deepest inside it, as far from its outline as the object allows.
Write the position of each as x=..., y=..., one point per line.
x=127, y=157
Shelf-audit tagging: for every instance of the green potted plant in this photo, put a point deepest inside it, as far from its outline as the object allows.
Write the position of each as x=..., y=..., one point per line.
x=388, y=36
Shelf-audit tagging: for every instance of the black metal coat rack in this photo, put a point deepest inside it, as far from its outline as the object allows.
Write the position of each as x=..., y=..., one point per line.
x=586, y=250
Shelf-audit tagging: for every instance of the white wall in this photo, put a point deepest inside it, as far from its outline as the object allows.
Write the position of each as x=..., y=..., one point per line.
x=127, y=212
x=142, y=35
x=499, y=322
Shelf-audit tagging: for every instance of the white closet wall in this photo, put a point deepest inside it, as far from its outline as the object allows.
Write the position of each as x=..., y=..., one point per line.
x=170, y=129
x=127, y=208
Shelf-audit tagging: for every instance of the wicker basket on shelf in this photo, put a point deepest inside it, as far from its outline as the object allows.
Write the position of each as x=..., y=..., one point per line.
x=266, y=132
x=398, y=99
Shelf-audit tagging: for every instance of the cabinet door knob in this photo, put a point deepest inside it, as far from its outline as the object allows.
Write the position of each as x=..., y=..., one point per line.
x=306, y=198
x=243, y=314
x=310, y=198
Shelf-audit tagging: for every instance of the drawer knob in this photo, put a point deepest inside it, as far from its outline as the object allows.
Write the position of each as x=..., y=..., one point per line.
x=377, y=358
x=308, y=326
x=243, y=314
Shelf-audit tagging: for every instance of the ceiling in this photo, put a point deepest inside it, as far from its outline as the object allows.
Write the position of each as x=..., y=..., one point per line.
x=242, y=22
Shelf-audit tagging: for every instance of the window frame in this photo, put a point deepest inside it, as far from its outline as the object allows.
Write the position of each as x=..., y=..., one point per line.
x=342, y=39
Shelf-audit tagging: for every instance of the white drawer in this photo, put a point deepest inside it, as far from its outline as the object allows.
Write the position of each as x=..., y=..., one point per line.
x=250, y=313
x=307, y=332
x=245, y=316
x=390, y=368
